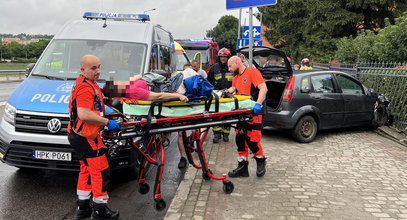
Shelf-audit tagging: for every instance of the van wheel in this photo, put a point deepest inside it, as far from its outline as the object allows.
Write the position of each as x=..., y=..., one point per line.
x=305, y=130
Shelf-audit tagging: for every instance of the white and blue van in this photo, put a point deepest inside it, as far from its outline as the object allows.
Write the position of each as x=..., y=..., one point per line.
x=33, y=130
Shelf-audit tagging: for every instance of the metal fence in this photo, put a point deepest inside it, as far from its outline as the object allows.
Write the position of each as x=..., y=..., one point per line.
x=8, y=75
x=386, y=78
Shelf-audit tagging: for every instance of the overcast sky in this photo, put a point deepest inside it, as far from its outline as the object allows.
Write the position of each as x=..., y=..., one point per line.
x=184, y=18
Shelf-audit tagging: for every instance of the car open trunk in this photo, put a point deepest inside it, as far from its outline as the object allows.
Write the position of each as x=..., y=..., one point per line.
x=276, y=70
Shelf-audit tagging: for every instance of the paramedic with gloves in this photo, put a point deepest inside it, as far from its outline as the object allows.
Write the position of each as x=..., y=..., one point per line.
x=248, y=80
x=86, y=111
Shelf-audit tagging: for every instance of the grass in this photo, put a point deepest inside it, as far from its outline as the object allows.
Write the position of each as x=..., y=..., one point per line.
x=13, y=66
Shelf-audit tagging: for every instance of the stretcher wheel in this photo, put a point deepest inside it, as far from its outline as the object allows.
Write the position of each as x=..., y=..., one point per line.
x=205, y=176
x=160, y=204
x=228, y=187
x=166, y=142
x=143, y=188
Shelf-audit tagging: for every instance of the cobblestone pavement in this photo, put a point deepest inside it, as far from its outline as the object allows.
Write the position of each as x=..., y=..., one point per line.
x=343, y=174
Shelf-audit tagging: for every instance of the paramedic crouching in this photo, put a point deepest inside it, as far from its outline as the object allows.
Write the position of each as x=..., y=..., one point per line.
x=248, y=80
x=87, y=110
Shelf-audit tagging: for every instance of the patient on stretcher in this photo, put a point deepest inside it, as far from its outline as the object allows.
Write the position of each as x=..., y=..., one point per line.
x=137, y=88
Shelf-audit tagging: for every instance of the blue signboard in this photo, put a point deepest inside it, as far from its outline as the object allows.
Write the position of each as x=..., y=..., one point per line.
x=243, y=42
x=256, y=32
x=233, y=4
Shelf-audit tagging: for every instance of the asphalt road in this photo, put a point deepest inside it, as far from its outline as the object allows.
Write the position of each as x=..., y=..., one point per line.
x=41, y=194
x=6, y=89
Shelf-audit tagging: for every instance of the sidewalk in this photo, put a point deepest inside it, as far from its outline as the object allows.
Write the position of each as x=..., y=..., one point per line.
x=349, y=174
x=197, y=198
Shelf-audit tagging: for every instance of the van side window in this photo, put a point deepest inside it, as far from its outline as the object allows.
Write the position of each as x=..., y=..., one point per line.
x=322, y=83
x=165, y=59
x=154, y=58
x=348, y=85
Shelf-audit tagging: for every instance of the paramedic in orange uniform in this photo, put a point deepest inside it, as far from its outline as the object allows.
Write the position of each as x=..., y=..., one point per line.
x=86, y=110
x=248, y=80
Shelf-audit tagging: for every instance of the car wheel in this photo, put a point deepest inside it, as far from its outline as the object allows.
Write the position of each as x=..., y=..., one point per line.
x=305, y=130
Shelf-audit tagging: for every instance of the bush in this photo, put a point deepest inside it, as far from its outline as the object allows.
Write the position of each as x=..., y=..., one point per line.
x=24, y=60
x=389, y=45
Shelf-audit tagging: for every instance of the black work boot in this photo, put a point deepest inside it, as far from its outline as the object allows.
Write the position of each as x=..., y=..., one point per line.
x=241, y=170
x=225, y=137
x=102, y=212
x=216, y=136
x=261, y=166
x=182, y=163
x=84, y=209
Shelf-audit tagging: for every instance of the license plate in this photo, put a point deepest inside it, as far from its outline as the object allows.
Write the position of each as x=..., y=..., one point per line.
x=51, y=155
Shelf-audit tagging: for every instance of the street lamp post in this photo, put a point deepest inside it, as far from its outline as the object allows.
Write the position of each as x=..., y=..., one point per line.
x=153, y=9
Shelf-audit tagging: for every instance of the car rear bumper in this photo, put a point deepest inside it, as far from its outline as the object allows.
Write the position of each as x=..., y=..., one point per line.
x=279, y=120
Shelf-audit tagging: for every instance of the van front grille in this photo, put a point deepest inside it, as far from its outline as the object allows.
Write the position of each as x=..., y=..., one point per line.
x=32, y=123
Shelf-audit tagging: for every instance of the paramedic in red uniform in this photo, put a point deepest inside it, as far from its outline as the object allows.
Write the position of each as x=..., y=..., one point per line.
x=86, y=109
x=248, y=80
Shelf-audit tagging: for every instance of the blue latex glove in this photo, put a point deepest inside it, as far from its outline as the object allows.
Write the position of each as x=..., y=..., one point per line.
x=113, y=125
x=257, y=108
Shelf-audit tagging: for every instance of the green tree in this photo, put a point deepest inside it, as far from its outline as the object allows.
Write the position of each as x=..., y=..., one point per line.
x=391, y=44
x=16, y=50
x=225, y=32
x=313, y=28
x=359, y=49
x=37, y=48
x=388, y=45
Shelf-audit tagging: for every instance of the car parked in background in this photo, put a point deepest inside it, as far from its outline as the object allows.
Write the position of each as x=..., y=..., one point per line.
x=306, y=102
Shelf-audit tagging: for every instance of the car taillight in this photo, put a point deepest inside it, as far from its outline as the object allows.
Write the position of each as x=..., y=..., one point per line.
x=289, y=90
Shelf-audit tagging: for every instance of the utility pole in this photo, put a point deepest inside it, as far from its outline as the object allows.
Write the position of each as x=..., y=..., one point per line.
x=251, y=37
x=238, y=26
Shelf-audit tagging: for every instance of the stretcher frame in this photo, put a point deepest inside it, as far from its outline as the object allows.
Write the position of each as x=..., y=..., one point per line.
x=152, y=132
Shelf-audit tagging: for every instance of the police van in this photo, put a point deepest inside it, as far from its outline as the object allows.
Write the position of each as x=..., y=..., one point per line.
x=33, y=130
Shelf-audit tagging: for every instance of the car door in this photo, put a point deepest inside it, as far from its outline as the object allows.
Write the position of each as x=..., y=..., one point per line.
x=327, y=99
x=358, y=105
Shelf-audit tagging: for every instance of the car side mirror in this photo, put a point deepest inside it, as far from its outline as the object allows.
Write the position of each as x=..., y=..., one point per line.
x=28, y=69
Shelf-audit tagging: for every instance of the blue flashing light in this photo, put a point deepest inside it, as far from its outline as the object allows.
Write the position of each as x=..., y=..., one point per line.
x=116, y=16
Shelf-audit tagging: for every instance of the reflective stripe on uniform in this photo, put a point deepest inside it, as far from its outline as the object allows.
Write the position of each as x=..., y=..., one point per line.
x=216, y=128
x=82, y=194
x=242, y=158
x=226, y=131
x=101, y=199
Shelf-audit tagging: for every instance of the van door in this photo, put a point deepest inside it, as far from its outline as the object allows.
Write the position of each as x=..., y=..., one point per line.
x=326, y=98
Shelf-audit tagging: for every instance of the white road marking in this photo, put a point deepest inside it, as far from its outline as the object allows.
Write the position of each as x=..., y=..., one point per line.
x=2, y=103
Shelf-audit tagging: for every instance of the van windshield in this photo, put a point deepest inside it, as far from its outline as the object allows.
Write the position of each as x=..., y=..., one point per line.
x=181, y=60
x=119, y=60
x=204, y=54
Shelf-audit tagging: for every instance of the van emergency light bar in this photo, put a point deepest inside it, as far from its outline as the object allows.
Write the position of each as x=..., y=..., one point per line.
x=116, y=16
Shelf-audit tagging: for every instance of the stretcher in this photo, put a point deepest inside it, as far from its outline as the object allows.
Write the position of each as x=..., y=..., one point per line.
x=146, y=132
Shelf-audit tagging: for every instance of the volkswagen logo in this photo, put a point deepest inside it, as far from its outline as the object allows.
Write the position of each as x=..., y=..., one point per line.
x=54, y=125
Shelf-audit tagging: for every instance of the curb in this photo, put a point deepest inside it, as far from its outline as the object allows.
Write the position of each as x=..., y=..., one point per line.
x=392, y=134
x=181, y=195
x=9, y=81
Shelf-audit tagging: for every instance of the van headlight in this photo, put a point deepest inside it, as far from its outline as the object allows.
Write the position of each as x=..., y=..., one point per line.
x=9, y=114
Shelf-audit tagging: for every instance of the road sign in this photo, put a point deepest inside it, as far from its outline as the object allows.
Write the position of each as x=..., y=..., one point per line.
x=243, y=42
x=233, y=4
x=256, y=32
